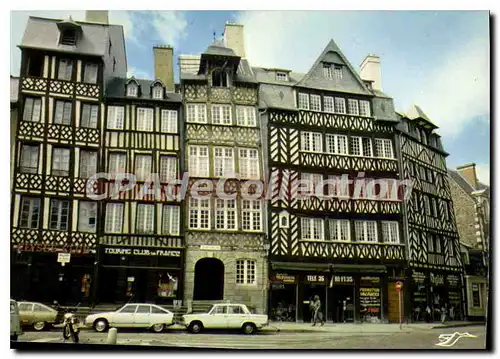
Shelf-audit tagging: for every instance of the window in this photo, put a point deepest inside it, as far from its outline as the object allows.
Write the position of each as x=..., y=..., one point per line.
x=327, y=71
x=390, y=232
x=361, y=146
x=199, y=213
x=144, y=119
x=427, y=205
x=65, y=70
x=62, y=114
x=221, y=309
x=128, y=309
x=29, y=159
x=221, y=114
x=156, y=310
x=68, y=37
x=304, y=101
x=476, y=295
x=283, y=219
x=364, y=108
x=245, y=116
x=251, y=215
x=245, y=272
x=35, y=64
x=196, y=113
x=168, y=168
x=366, y=231
x=336, y=144
x=169, y=121
x=59, y=211
x=338, y=71
x=223, y=161
x=311, y=141
x=132, y=90
x=88, y=163
x=145, y=219
x=30, y=212
x=281, y=76
x=424, y=137
x=60, y=161
x=198, y=161
x=225, y=214
x=170, y=220
x=438, y=244
x=142, y=167
x=339, y=105
x=143, y=309
x=430, y=242
x=219, y=78
x=90, y=73
x=315, y=103
x=235, y=309
x=114, y=218
x=434, y=207
x=32, y=109
x=157, y=92
x=25, y=307
x=339, y=230
x=311, y=181
x=429, y=176
x=352, y=107
x=90, y=115
x=87, y=216
x=117, y=162
x=384, y=148
x=312, y=229
x=328, y=104
x=116, y=117
x=249, y=163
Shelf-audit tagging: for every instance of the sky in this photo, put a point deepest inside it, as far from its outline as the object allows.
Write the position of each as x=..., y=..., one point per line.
x=436, y=59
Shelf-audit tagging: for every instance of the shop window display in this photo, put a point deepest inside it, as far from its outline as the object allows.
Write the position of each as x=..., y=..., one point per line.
x=370, y=299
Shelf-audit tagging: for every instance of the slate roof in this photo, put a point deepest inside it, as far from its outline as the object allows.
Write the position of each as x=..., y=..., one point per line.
x=465, y=185
x=217, y=48
x=115, y=88
x=416, y=113
x=244, y=73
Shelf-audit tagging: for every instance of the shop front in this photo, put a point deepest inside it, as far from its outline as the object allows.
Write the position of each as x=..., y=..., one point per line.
x=151, y=275
x=283, y=297
x=341, y=294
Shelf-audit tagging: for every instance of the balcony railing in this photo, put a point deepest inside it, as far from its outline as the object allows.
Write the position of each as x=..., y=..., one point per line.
x=60, y=87
x=347, y=162
x=353, y=250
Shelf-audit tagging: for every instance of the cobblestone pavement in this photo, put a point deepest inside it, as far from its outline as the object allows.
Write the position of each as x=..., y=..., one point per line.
x=424, y=338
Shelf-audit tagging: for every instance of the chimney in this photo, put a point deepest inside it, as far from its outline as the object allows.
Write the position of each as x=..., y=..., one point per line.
x=234, y=39
x=164, y=65
x=468, y=171
x=100, y=16
x=189, y=63
x=370, y=70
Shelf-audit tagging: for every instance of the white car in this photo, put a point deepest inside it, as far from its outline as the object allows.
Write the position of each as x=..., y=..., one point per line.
x=132, y=315
x=225, y=316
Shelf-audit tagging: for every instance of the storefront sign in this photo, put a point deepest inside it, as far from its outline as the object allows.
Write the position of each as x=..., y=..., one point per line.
x=436, y=279
x=369, y=300
x=343, y=279
x=312, y=278
x=63, y=257
x=453, y=280
x=209, y=247
x=369, y=279
x=418, y=277
x=142, y=252
x=284, y=278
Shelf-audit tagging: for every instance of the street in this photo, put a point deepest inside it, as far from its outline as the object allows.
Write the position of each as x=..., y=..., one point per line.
x=420, y=338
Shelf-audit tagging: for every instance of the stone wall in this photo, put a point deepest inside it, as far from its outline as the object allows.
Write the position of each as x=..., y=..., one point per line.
x=465, y=214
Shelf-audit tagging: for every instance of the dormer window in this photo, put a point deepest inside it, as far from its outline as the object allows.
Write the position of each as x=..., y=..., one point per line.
x=281, y=76
x=132, y=90
x=337, y=70
x=68, y=37
x=327, y=71
x=157, y=92
x=219, y=78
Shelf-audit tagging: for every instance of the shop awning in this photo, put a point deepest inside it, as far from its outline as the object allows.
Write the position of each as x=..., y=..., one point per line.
x=336, y=268
x=317, y=267
x=359, y=268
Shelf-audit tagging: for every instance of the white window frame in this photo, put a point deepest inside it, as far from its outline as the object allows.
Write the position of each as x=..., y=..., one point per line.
x=199, y=161
x=353, y=107
x=340, y=106
x=32, y=109
x=309, y=141
x=312, y=229
x=86, y=211
x=249, y=163
x=337, y=144
x=28, y=163
x=60, y=208
x=116, y=117
x=327, y=71
x=223, y=161
x=170, y=221
x=315, y=103
x=312, y=180
x=169, y=121
x=168, y=168
x=143, y=166
x=157, y=92
x=357, y=143
x=226, y=217
x=145, y=219
x=364, y=108
x=144, y=120
x=303, y=101
x=222, y=115
x=196, y=113
x=337, y=71
x=60, y=161
x=245, y=116
x=246, y=272
x=114, y=218
x=87, y=166
x=199, y=213
x=90, y=73
x=384, y=148
x=65, y=69
x=281, y=76
x=89, y=116
x=361, y=230
x=132, y=89
x=390, y=232
x=30, y=208
x=63, y=112
x=251, y=215
x=340, y=230
x=329, y=104
x=117, y=162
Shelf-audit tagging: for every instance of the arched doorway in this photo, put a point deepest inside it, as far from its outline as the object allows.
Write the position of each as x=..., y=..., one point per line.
x=208, y=279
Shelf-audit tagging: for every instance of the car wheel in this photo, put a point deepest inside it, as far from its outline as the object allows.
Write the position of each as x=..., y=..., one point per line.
x=195, y=327
x=39, y=326
x=158, y=328
x=101, y=325
x=248, y=328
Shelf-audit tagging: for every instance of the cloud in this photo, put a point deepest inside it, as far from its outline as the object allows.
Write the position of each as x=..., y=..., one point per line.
x=170, y=26
x=137, y=73
x=483, y=173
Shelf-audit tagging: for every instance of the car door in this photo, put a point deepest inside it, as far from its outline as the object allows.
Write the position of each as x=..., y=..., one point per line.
x=42, y=313
x=124, y=317
x=142, y=316
x=218, y=317
x=161, y=316
x=235, y=316
x=25, y=313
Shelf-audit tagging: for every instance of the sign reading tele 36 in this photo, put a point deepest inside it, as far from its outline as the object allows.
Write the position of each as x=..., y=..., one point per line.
x=142, y=252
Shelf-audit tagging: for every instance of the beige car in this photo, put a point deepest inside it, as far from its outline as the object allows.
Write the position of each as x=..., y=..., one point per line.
x=37, y=315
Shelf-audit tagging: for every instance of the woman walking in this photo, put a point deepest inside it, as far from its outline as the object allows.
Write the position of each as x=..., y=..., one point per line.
x=317, y=314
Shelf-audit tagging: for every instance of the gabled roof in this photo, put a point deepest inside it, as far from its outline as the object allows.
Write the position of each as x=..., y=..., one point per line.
x=415, y=113
x=465, y=185
x=156, y=82
x=217, y=48
x=244, y=73
x=115, y=88
x=350, y=82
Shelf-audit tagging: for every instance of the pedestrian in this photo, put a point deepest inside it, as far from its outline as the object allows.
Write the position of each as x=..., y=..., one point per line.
x=317, y=314
x=452, y=313
x=444, y=311
x=428, y=312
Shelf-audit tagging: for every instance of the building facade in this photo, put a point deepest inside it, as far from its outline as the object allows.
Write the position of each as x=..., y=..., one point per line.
x=435, y=276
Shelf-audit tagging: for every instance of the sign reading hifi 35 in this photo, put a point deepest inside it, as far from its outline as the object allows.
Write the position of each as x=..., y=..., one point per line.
x=142, y=252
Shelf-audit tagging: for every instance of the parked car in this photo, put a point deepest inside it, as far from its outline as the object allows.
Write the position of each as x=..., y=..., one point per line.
x=15, y=322
x=136, y=315
x=225, y=316
x=37, y=315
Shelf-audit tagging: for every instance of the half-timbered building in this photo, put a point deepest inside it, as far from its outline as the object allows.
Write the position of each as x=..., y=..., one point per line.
x=339, y=243
x=435, y=275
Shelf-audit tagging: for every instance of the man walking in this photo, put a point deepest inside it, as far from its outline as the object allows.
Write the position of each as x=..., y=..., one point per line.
x=317, y=314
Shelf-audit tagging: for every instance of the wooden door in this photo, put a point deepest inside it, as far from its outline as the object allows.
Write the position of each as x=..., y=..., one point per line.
x=393, y=303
